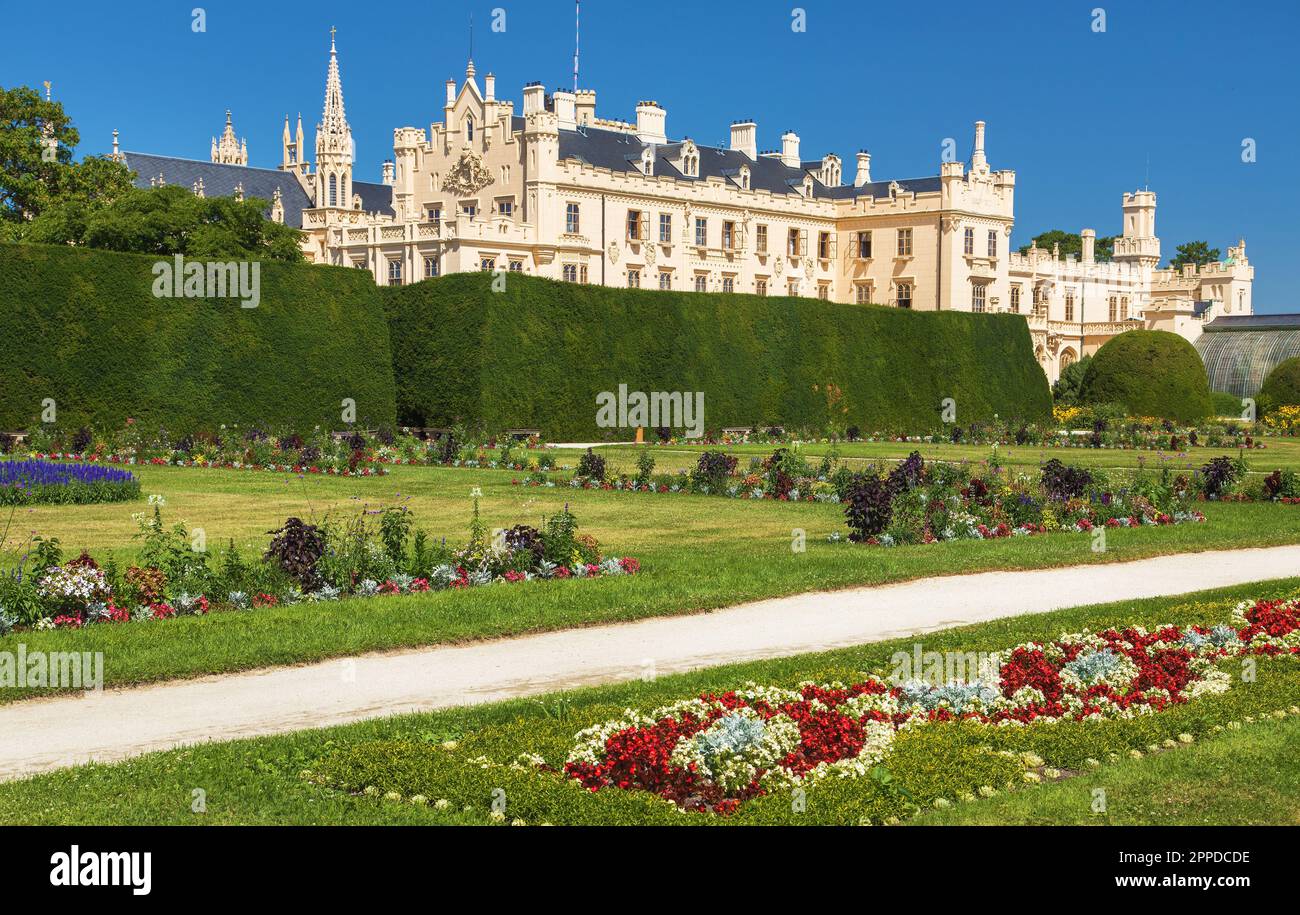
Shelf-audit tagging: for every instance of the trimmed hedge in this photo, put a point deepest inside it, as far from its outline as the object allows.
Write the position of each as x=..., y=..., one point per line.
x=1152, y=373
x=1281, y=388
x=84, y=328
x=536, y=355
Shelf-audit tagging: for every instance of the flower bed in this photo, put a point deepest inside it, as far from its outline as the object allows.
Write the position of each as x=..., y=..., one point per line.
x=714, y=752
x=38, y=482
x=364, y=467
x=372, y=555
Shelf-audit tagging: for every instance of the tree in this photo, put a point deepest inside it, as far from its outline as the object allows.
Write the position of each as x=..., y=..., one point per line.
x=36, y=142
x=1194, y=252
x=1150, y=372
x=1066, y=389
x=1072, y=243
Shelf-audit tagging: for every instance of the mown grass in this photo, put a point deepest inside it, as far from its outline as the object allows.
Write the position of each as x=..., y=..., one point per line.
x=1280, y=454
x=697, y=552
x=259, y=781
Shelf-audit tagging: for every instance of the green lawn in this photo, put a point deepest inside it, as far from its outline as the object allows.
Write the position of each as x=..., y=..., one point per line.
x=1281, y=454
x=697, y=553
x=1228, y=776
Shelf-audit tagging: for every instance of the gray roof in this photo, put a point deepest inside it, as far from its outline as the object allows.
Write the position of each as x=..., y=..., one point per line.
x=221, y=180
x=621, y=152
x=1253, y=322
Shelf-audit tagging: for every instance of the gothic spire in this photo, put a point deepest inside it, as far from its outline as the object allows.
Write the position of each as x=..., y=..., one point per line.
x=335, y=122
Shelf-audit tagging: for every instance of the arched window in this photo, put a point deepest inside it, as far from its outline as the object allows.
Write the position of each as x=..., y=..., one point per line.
x=1067, y=359
x=334, y=191
x=469, y=130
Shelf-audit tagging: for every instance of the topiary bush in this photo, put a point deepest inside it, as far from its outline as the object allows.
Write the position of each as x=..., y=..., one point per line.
x=1281, y=388
x=1152, y=373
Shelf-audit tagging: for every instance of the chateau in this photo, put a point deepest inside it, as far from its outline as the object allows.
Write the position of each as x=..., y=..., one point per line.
x=558, y=191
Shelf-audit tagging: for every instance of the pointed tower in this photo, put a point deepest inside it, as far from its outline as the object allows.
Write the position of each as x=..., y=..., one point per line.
x=333, y=142
x=291, y=159
x=229, y=150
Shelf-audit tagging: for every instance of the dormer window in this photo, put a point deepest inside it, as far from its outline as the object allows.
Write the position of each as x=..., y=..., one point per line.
x=744, y=177
x=648, y=162
x=807, y=186
x=690, y=160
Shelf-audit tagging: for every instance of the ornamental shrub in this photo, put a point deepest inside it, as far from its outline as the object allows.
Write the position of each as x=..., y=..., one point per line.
x=592, y=466
x=712, y=470
x=297, y=548
x=1063, y=483
x=1150, y=372
x=869, y=507
x=1281, y=388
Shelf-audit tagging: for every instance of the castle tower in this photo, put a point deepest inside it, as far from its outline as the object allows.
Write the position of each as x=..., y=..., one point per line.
x=228, y=150
x=1138, y=245
x=333, y=143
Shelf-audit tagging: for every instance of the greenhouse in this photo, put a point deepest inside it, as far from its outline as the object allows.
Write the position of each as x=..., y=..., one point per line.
x=1239, y=351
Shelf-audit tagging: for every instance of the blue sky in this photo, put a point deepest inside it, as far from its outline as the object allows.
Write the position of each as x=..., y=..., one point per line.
x=1078, y=114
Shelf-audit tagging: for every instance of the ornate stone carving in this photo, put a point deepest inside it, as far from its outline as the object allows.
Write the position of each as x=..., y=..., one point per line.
x=650, y=254
x=468, y=175
x=808, y=267
x=613, y=252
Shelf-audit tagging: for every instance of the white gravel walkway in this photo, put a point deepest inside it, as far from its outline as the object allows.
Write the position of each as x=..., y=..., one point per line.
x=43, y=734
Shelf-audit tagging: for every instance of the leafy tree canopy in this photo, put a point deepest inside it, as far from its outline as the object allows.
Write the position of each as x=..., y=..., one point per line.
x=1065, y=392
x=46, y=197
x=1072, y=243
x=1194, y=252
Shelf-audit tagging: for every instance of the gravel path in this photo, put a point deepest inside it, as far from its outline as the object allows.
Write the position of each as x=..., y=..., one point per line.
x=43, y=734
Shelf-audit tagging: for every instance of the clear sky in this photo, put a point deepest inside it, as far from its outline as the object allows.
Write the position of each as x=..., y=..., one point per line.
x=1165, y=95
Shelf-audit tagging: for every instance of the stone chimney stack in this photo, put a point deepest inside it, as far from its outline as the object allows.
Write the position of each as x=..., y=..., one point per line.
x=489, y=88
x=790, y=149
x=1089, y=246
x=977, y=159
x=534, y=99
x=566, y=109
x=651, y=123
x=451, y=92
x=744, y=138
x=586, y=107
x=864, y=169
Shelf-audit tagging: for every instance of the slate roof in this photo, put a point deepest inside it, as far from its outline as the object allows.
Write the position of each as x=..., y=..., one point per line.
x=220, y=180
x=621, y=152
x=1253, y=322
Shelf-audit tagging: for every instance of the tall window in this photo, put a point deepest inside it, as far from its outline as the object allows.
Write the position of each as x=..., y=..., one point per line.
x=430, y=267
x=634, y=278
x=864, y=245
x=469, y=130
x=823, y=291
x=968, y=242
x=334, y=191
x=729, y=235
x=394, y=271
x=701, y=282
x=665, y=228
x=1069, y=306
x=665, y=279
x=823, y=245
x=570, y=273
x=760, y=239
x=760, y=286
x=1114, y=307
x=862, y=293
x=728, y=284
x=701, y=233
x=792, y=288
x=993, y=243
x=904, y=242
x=796, y=243
x=1015, y=299
x=633, y=225
x=572, y=224
x=978, y=297
x=903, y=296
x=1123, y=308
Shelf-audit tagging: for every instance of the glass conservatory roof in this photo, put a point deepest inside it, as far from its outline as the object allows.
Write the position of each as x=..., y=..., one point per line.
x=1240, y=351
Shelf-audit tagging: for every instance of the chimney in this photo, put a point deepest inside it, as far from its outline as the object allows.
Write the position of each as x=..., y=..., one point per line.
x=534, y=99
x=1089, y=246
x=489, y=88
x=863, y=176
x=451, y=92
x=977, y=159
x=586, y=107
x=389, y=174
x=651, y=123
x=744, y=138
x=566, y=109
x=790, y=149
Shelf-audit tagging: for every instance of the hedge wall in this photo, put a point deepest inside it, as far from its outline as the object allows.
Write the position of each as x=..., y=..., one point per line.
x=536, y=355
x=84, y=328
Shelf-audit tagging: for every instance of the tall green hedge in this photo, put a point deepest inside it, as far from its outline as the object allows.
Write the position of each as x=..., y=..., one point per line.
x=1281, y=388
x=83, y=327
x=536, y=355
x=1152, y=373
